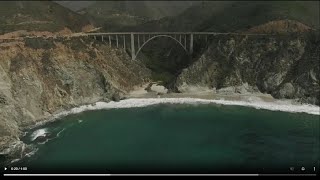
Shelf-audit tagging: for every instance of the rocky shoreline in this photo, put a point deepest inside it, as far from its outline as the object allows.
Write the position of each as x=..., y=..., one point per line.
x=41, y=78
x=228, y=93
x=147, y=94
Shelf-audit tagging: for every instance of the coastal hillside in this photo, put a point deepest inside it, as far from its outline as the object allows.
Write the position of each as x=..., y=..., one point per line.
x=115, y=15
x=39, y=78
x=229, y=16
x=287, y=67
x=38, y=16
x=280, y=27
x=42, y=76
x=75, y=5
x=167, y=60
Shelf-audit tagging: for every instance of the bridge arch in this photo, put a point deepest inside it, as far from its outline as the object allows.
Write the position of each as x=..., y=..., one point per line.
x=157, y=36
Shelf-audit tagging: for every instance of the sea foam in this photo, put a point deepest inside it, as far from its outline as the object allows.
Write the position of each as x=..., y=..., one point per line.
x=277, y=105
x=38, y=133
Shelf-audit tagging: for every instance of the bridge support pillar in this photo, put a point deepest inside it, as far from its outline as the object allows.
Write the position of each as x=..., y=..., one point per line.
x=117, y=41
x=191, y=44
x=133, y=53
x=185, y=41
x=124, y=42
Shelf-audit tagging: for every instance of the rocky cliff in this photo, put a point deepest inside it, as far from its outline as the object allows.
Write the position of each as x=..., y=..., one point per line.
x=41, y=77
x=285, y=66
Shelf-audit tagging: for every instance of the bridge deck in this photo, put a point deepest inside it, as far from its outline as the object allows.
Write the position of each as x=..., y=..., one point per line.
x=195, y=33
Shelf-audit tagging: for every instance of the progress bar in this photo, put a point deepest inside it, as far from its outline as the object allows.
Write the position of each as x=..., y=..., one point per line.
x=159, y=174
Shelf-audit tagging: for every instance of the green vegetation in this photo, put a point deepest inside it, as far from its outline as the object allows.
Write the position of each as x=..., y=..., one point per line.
x=219, y=16
x=143, y=9
x=228, y=16
x=165, y=58
x=115, y=15
x=242, y=15
x=310, y=60
x=38, y=16
x=39, y=43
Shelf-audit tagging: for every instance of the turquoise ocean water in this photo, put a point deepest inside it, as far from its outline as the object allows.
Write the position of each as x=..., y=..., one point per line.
x=170, y=138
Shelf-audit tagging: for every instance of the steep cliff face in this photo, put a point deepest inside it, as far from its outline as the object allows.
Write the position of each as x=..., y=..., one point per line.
x=41, y=77
x=285, y=66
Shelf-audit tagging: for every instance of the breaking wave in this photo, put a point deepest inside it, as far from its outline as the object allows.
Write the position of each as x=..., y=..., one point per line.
x=38, y=133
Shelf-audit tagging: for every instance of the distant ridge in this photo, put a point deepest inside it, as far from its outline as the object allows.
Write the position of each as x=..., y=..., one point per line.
x=281, y=26
x=230, y=16
x=38, y=16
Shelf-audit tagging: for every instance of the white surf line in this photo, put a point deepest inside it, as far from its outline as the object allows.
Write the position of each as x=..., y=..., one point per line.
x=58, y=134
x=143, y=102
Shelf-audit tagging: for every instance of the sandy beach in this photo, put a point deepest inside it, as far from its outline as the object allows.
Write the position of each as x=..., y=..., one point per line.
x=140, y=92
x=142, y=98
